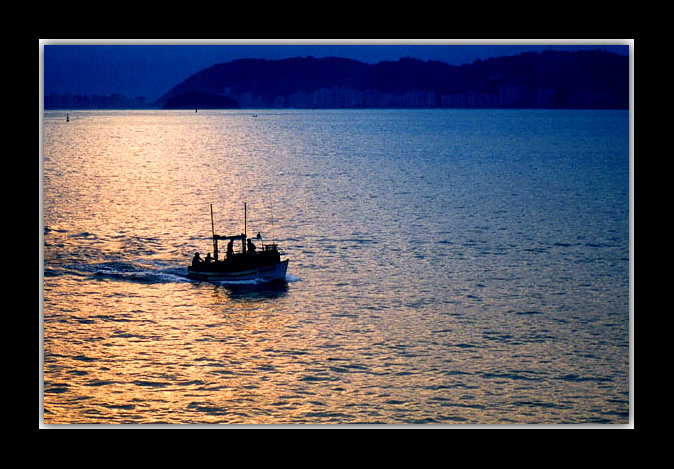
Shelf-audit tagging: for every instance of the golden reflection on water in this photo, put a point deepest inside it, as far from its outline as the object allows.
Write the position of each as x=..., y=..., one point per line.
x=174, y=359
x=375, y=324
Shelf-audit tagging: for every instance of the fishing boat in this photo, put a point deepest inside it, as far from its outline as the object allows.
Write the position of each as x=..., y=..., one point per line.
x=248, y=264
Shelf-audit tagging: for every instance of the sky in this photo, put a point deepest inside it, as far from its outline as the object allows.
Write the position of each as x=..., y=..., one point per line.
x=152, y=69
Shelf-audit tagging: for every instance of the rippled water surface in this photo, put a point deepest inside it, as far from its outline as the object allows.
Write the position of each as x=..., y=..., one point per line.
x=445, y=267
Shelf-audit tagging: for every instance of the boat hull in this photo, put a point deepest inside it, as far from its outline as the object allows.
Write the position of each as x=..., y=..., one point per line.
x=269, y=273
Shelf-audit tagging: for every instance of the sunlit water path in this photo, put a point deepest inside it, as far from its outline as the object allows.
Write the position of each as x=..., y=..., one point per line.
x=460, y=266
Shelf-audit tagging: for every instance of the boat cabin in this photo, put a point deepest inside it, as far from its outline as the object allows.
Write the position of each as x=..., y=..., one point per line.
x=247, y=246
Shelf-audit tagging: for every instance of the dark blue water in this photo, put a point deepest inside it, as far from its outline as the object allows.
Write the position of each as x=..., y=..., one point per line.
x=446, y=266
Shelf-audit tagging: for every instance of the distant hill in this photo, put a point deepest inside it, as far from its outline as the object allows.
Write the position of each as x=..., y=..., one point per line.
x=200, y=100
x=550, y=79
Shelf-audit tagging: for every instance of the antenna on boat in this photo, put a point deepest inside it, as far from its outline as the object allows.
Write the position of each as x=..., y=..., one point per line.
x=245, y=218
x=212, y=225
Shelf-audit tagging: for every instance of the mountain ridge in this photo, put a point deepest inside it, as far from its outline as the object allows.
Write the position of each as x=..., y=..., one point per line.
x=549, y=79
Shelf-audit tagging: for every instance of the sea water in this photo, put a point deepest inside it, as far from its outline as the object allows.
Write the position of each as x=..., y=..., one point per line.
x=446, y=266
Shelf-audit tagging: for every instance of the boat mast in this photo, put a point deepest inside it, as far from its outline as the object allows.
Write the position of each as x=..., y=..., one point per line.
x=215, y=241
x=245, y=228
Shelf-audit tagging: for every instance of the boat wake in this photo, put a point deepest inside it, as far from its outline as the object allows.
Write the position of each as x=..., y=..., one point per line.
x=142, y=271
x=289, y=278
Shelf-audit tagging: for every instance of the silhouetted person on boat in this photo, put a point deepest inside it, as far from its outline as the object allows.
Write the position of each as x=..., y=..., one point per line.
x=196, y=259
x=230, y=247
x=251, y=247
x=208, y=259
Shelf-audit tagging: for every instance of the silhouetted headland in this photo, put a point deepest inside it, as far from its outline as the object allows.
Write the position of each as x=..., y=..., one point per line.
x=592, y=79
x=200, y=100
x=550, y=79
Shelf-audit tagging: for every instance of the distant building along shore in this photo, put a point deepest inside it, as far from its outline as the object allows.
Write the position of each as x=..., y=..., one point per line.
x=82, y=101
x=549, y=80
